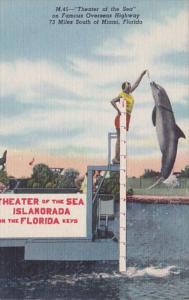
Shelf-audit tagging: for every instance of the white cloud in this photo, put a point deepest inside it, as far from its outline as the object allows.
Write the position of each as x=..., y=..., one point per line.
x=86, y=129
x=45, y=120
x=82, y=144
x=139, y=51
x=170, y=35
x=27, y=81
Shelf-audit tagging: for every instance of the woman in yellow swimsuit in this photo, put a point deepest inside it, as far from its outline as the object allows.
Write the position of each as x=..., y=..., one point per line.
x=127, y=89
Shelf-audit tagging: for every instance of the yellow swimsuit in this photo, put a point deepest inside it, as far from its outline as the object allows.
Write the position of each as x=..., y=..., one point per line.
x=129, y=101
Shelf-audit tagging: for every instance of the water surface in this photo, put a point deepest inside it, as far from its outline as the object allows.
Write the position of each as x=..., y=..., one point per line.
x=157, y=264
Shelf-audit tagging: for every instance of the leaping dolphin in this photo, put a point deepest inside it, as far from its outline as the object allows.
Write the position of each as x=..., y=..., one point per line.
x=167, y=130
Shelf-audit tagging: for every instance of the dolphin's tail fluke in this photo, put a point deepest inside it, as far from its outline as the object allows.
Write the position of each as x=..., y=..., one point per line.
x=160, y=180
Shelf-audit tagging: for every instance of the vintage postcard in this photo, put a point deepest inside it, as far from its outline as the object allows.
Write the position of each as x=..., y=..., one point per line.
x=94, y=162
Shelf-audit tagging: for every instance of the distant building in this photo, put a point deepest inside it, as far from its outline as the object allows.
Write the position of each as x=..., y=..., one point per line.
x=57, y=170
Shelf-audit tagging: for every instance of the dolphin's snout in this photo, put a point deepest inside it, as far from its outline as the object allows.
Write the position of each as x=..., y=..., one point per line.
x=155, y=86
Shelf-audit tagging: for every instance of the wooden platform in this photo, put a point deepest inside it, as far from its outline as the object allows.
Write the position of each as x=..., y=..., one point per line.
x=159, y=199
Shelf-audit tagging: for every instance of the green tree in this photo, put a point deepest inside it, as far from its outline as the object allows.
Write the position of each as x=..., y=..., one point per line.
x=3, y=177
x=71, y=172
x=44, y=177
x=111, y=184
x=41, y=176
x=185, y=172
x=149, y=173
x=68, y=179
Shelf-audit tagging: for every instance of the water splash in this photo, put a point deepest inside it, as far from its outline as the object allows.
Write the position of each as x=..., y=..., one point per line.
x=132, y=272
x=152, y=271
x=172, y=181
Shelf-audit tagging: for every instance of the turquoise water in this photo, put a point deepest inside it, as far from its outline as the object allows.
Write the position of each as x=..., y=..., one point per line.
x=157, y=264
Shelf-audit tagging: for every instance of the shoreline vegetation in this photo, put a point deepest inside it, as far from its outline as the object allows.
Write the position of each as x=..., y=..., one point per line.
x=48, y=180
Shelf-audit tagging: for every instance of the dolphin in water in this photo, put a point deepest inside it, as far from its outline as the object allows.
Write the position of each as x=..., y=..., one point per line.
x=167, y=130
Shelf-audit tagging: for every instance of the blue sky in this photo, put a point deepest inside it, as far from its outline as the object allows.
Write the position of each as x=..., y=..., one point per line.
x=57, y=81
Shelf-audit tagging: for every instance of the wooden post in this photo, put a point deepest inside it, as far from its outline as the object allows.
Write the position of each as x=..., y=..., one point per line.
x=123, y=188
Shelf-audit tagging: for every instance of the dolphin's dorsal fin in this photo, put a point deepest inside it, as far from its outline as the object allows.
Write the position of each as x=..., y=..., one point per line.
x=154, y=116
x=179, y=132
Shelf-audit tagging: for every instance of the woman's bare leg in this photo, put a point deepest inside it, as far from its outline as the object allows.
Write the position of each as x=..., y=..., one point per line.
x=117, y=148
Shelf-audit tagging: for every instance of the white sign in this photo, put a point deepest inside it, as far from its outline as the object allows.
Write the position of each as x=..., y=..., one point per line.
x=43, y=215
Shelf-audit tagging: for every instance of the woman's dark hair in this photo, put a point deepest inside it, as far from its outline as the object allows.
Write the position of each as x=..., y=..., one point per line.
x=123, y=85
